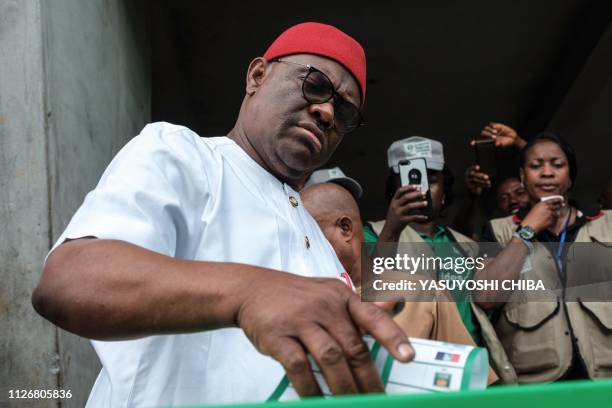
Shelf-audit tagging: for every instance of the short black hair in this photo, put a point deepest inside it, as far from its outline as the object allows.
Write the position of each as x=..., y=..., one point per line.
x=559, y=141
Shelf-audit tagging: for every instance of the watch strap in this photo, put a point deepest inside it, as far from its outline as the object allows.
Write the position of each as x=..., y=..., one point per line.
x=527, y=243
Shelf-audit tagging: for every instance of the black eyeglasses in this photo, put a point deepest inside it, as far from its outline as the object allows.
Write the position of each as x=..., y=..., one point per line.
x=318, y=88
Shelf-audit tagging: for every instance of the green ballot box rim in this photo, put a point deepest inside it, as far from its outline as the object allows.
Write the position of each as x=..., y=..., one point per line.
x=561, y=394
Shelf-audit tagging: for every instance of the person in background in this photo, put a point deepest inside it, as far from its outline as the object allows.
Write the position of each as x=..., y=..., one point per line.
x=508, y=196
x=334, y=208
x=565, y=338
x=336, y=175
x=406, y=222
x=511, y=196
x=504, y=137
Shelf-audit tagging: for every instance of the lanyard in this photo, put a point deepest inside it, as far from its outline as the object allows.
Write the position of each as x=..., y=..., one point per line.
x=563, y=234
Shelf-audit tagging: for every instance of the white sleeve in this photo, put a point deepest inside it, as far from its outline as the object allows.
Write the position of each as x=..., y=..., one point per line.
x=151, y=193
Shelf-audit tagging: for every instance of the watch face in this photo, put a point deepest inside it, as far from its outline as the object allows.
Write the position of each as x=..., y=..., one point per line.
x=526, y=233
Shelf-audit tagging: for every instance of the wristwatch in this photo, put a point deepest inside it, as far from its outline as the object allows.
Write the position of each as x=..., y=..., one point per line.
x=526, y=233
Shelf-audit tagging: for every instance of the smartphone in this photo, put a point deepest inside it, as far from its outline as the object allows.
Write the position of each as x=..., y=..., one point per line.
x=414, y=171
x=485, y=156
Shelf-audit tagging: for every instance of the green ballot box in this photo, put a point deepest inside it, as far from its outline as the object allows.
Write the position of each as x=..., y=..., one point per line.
x=575, y=394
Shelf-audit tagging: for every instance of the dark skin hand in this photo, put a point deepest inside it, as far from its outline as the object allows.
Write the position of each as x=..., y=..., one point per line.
x=404, y=210
x=503, y=135
x=401, y=212
x=475, y=180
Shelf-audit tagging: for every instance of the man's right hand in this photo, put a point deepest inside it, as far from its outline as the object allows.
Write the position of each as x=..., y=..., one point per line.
x=402, y=208
x=288, y=317
x=543, y=215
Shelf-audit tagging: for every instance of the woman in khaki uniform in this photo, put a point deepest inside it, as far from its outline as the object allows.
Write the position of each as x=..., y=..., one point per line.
x=564, y=336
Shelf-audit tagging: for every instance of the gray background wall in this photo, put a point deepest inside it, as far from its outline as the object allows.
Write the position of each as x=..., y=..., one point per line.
x=27, y=346
x=75, y=86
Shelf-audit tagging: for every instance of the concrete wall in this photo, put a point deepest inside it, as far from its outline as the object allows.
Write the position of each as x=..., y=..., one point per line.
x=75, y=87
x=27, y=343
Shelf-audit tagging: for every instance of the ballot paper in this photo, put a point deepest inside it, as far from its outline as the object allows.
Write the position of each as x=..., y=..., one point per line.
x=437, y=367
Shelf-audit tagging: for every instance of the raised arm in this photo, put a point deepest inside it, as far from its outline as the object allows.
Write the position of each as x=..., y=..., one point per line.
x=507, y=265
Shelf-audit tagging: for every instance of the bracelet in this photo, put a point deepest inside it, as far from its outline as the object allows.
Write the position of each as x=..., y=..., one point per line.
x=528, y=244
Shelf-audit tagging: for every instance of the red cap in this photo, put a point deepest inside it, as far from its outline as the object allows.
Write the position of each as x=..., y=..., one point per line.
x=326, y=41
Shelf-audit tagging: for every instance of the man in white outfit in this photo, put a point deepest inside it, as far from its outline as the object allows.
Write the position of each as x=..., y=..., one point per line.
x=197, y=258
